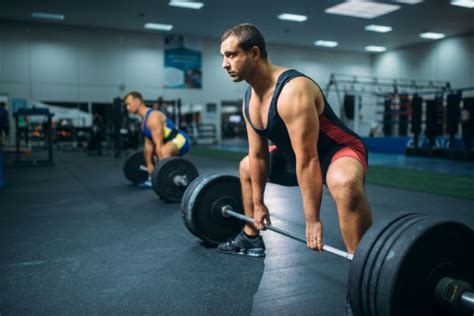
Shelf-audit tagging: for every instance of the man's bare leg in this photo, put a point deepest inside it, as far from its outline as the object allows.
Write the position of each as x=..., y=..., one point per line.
x=345, y=181
x=170, y=150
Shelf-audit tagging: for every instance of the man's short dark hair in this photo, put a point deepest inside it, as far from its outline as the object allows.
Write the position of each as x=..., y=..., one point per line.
x=135, y=95
x=248, y=36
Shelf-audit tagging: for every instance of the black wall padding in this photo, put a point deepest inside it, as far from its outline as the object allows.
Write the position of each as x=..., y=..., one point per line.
x=349, y=101
x=431, y=115
x=416, y=105
x=468, y=125
x=403, y=115
x=387, y=115
x=440, y=116
x=453, y=113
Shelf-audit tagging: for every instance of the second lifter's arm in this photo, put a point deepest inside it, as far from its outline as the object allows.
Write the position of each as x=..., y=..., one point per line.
x=258, y=168
x=156, y=128
x=148, y=154
x=297, y=108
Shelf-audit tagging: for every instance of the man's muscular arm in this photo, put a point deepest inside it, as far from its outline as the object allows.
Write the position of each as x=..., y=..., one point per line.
x=148, y=154
x=297, y=108
x=258, y=161
x=156, y=128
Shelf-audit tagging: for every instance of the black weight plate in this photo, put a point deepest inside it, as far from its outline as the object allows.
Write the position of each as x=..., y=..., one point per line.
x=131, y=168
x=164, y=173
x=425, y=253
x=202, y=207
x=381, y=250
x=186, y=208
x=370, y=244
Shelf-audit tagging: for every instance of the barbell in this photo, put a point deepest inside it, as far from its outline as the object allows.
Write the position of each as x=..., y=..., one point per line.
x=131, y=168
x=401, y=264
x=169, y=178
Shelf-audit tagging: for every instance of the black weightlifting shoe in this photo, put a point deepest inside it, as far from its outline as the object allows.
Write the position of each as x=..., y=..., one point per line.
x=244, y=246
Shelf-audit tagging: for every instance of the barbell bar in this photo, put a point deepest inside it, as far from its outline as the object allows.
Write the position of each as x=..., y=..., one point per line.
x=227, y=211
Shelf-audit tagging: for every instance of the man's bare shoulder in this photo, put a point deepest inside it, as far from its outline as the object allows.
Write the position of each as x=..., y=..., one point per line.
x=156, y=118
x=298, y=88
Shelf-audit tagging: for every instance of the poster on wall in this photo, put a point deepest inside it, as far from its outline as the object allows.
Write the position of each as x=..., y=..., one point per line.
x=18, y=103
x=183, y=63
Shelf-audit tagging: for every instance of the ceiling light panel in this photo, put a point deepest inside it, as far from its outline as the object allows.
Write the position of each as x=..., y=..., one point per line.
x=362, y=9
x=409, y=1
x=159, y=26
x=463, y=3
x=186, y=4
x=325, y=43
x=292, y=17
x=375, y=49
x=431, y=35
x=48, y=16
x=378, y=28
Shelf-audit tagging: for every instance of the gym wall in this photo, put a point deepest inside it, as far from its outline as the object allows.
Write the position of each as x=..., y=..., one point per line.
x=62, y=63
x=448, y=59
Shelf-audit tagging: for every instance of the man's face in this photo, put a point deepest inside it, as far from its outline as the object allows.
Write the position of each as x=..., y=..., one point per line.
x=236, y=61
x=132, y=104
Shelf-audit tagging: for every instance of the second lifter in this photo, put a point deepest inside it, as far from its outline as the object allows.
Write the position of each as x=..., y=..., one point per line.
x=162, y=138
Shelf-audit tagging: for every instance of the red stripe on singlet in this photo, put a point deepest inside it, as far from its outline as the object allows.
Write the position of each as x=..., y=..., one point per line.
x=339, y=136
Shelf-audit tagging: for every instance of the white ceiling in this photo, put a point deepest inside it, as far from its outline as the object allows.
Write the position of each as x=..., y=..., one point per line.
x=218, y=15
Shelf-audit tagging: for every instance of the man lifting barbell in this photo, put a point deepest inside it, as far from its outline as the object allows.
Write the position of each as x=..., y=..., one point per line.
x=162, y=138
x=310, y=146
x=408, y=264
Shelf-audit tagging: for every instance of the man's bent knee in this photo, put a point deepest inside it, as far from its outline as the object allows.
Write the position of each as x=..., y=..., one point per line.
x=346, y=187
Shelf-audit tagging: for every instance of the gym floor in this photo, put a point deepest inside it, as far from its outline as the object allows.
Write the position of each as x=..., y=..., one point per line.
x=78, y=239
